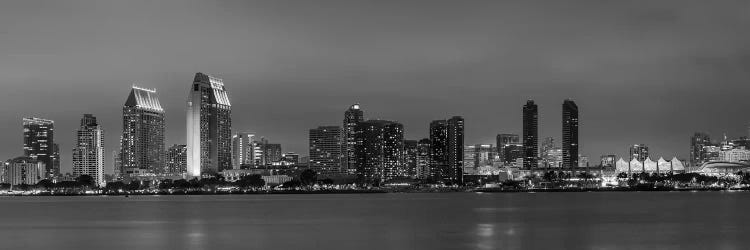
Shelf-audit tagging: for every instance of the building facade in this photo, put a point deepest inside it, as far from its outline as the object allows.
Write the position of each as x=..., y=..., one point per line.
x=504, y=141
x=476, y=156
x=143, y=126
x=242, y=150
x=272, y=153
x=177, y=159
x=438, y=150
x=39, y=144
x=607, y=160
x=530, y=134
x=88, y=151
x=326, y=149
x=699, y=143
x=570, y=134
x=209, y=126
x=379, y=146
x=352, y=116
x=446, y=144
x=639, y=152
x=735, y=155
x=423, y=159
x=411, y=157
x=23, y=170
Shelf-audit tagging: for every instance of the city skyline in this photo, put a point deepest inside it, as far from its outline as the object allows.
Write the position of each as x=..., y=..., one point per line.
x=477, y=67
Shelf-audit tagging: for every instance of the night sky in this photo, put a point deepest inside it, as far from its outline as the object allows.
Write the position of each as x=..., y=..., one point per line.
x=648, y=72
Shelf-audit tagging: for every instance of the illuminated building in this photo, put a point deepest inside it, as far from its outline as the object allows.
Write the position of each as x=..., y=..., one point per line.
x=272, y=153
x=352, y=116
x=423, y=159
x=456, y=149
x=570, y=134
x=242, y=150
x=734, y=155
x=608, y=160
x=143, y=125
x=290, y=158
x=639, y=152
x=508, y=140
x=88, y=153
x=661, y=166
x=446, y=161
x=39, y=144
x=438, y=149
x=476, y=156
x=378, y=149
x=23, y=170
x=209, y=126
x=411, y=156
x=698, y=143
x=177, y=159
x=583, y=161
x=553, y=157
x=530, y=134
x=326, y=149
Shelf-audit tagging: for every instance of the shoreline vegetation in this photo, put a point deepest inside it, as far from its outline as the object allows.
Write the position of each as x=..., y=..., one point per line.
x=308, y=182
x=370, y=191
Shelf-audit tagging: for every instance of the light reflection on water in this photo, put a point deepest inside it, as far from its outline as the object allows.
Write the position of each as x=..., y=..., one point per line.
x=676, y=220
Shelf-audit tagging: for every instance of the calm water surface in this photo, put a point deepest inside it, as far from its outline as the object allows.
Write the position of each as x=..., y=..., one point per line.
x=658, y=220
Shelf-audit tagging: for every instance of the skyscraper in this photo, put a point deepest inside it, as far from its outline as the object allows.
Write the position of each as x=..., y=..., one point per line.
x=639, y=152
x=88, y=152
x=272, y=153
x=447, y=146
x=423, y=159
x=242, y=150
x=143, y=125
x=698, y=148
x=509, y=147
x=209, y=126
x=177, y=159
x=378, y=149
x=39, y=144
x=456, y=149
x=530, y=134
x=438, y=149
x=411, y=156
x=352, y=116
x=326, y=149
x=570, y=134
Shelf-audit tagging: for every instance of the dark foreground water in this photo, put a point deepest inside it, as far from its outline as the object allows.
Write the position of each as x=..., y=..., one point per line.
x=645, y=220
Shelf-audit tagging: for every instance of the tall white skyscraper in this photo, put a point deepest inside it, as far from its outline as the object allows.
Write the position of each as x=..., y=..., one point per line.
x=88, y=153
x=209, y=126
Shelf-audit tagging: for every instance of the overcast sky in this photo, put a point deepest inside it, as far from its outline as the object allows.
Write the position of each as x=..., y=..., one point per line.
x=648, y=72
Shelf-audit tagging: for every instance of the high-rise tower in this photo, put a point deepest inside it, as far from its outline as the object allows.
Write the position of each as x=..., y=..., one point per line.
x=242, y=150
x=352, y=116
x=698, y=148
x=447, y=146
x=570, y=134
x=325, y=149
x=456, y=149
x=209, y=126
x=88, y=152
x=142, y=141
x=530, y=134
x=39, y=144
x=379, y=146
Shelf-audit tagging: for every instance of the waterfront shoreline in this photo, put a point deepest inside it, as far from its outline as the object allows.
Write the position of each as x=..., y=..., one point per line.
x=382, y=191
